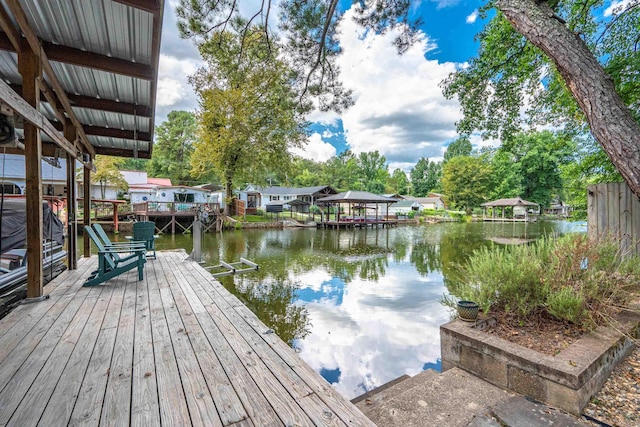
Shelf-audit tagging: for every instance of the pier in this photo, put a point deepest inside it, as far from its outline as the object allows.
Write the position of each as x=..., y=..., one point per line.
x=173, y=349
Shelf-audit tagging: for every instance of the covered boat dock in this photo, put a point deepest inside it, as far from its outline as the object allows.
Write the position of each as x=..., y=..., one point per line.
x=352, y=209
x=509, y=210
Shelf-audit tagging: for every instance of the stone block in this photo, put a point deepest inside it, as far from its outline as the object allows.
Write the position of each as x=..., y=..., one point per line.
x=527, y=383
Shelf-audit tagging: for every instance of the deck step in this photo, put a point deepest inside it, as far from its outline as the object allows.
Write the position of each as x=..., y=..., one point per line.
x=370, y=402
x=453, y=398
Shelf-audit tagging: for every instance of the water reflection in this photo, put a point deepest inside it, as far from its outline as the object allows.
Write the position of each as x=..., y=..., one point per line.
x=361, y=306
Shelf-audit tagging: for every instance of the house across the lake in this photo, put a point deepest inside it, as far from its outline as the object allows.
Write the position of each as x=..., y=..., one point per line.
x=434, y=201
x=259, y=198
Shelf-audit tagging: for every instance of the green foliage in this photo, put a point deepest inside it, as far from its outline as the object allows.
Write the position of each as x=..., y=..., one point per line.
x=399, y=182
x=459, y=147
x=425, y=176
x=173, y=148
x=466, y=182
x=373, y=170
x=108, y=173
x=570, y=278
x=249, y=118
x=509, y=73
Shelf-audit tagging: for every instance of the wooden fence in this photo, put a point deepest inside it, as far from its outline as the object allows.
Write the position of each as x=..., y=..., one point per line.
x=613, y=209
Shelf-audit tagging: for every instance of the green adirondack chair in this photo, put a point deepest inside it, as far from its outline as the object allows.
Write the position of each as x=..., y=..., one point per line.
x=102, y=235
x=144, y=231
x=111, y=264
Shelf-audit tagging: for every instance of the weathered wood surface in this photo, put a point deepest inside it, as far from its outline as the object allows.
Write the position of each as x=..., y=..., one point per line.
x=612, y=209
x=174, y=349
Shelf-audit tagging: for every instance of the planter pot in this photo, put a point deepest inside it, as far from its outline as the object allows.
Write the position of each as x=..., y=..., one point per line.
x=468, y=310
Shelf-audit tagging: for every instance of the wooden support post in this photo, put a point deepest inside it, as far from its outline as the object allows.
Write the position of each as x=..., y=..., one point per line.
x=86, y=189
x=72, y=227
x=115, y=218
x=30, y=68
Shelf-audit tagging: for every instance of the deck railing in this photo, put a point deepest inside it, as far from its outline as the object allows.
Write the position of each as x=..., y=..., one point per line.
x=168, y=208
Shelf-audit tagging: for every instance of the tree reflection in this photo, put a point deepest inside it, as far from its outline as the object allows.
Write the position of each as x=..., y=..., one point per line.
x=273, y=301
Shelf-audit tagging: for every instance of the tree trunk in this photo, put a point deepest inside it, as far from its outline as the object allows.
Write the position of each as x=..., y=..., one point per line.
x=228, y=198
x=611, y=122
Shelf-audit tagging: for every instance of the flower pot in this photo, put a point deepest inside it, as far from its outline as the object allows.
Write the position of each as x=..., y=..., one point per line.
x=468, y=310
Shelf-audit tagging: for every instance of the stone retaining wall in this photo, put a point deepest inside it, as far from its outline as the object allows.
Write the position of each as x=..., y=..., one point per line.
x=566, y=381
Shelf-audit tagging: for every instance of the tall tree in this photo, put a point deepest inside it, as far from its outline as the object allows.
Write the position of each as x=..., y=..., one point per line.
x=373, y=170
x=557, y=29
x=425, y=176
x=399, y=182
x=173, y=148
x=249, y=118
x=108, y=173
x=466, y=181
x=538, y=157
x=459, y=147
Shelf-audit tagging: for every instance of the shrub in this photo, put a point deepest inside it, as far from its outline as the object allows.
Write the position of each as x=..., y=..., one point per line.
x=570, y=278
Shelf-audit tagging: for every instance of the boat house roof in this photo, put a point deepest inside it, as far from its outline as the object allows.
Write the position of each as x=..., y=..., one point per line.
x=516, y=201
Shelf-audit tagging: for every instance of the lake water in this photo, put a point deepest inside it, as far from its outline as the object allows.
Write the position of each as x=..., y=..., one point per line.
x=361, y=307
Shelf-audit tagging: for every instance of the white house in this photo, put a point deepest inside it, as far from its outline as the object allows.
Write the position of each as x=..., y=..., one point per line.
x=258, y=198
x=432, y=202
x=403, y=207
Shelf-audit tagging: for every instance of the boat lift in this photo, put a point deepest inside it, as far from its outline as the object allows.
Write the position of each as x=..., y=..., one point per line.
x=232, y=268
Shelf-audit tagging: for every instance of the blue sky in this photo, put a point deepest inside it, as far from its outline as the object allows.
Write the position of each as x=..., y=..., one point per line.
x=399, y=108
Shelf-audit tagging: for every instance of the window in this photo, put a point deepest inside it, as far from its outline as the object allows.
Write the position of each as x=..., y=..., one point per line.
x=10, y=188
x=272, y=198
x=184, y=198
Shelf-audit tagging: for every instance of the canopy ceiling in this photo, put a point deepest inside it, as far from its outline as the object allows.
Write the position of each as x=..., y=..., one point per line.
x=100, y=67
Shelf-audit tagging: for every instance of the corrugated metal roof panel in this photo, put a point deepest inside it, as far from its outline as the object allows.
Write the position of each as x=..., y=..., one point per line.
x=112, y=120
x=84, y=81
x=100, y=26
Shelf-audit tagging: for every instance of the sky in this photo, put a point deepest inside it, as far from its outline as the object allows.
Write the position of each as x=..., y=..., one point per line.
x=399, y=108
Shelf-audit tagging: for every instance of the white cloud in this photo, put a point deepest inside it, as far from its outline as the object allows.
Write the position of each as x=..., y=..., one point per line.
x=618, y=6
x=316, y=149
x=399, y=107
x=472, y=17
x=368, y=337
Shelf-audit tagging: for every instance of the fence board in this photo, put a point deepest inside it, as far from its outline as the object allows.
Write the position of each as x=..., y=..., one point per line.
x=613, y=209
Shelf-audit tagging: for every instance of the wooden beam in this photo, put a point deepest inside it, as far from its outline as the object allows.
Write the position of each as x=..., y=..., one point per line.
x=101, y=104
x=120, y=152
x=112, y=132
x=82, y=58
x=72, y=231
x=151, y=6
x=10, y=34
x=31, y=71
x=86, y=207
x=155, y=61
x=96, y=61
x=34, y=44
x=33, y=116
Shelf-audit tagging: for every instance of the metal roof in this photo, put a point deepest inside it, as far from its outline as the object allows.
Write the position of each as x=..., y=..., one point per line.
x=103, y=54
x=516, y=201
x=302, y=191
x=356, y=197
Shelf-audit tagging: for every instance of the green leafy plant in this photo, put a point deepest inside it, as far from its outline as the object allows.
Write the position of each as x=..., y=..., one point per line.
x=571, y=278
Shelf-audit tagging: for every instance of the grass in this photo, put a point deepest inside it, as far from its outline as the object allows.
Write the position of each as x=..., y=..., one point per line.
x=570, y=278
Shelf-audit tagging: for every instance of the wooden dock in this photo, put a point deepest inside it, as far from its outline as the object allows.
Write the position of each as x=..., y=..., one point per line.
x=175, y=349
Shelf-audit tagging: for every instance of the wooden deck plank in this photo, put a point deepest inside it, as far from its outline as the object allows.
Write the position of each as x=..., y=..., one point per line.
x=173, y=404
x=62, y=401
x=22, y=321
x=84, y=357
x=24, y=364
x=145, y=408
x=116, y=408
x=296, y=387
x=88, y=405
x=237, y=396
x=276, y=394
x=199, y=399
x=70, y=353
